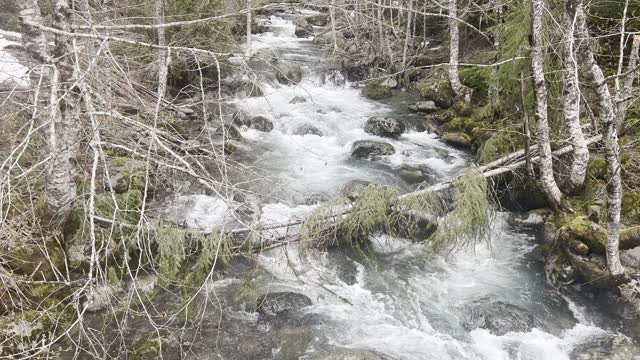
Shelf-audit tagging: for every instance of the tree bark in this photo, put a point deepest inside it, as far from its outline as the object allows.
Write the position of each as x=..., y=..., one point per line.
x=407, y=39
x=612, y=149
x=571, y=106
x=627, y=89
x=163, y=61
x=547, y=179
x=64, y=117
x=454, y=49
x=249, y=21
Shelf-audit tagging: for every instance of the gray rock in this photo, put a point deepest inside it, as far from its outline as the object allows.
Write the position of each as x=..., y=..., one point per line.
x=288, y=73
x=261, y=123
x=344, y=354
x=307, y=129
x=440, y=118
x=241, y=118
x=384, y=127
x=367, y=149
x=298, y=100
x=607, y=346
x=499, y=317
x=336, y=78
x=230, y=131
x=354, y=189
x=427, y=106
x=390, y=83
x=273, y=304
x=246, y=88
x=303, y=28
x=594, y=213
x=411, y=176
x=318, y=20
x=457, y=140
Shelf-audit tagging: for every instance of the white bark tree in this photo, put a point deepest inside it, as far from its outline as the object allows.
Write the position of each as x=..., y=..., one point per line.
x=626, y=91
x=64, y=114
x=249, y=21
x=597, y=79
x=454, y=53
x=571, y=106
x=547, y=179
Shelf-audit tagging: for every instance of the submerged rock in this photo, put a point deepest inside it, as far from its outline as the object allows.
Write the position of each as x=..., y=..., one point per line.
x=298, y=100
x=273, y=304
x=307, y=129
x=607, y=346
x=366, y=149
x=262, y=123
x=230, y=131
x=384, y=127
x=241, y=118
x=499, y=318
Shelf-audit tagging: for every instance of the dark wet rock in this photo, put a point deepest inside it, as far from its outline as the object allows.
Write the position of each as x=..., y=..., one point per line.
x=316, y=198
x=303, y=28
x=594, y=212
x=288, y=73
x=457, y=140
x=298, y=100
x=499, y=317
x=384, y=127
x=262, y=123
x=307, y=129
x=441, y=117
x=354, y=189
x=532, y=219
x=230, y=131
x=376, y=90
x=336, y=78
x=241, y=118
x=517, y=193
x=366, y=149
x=273, y=304
x=414, y=225
x=607, y=346
x=427, y=106
x=245, y=88
x=591, y=269
x=344, y=354
x=294, y=342
x=353, y=73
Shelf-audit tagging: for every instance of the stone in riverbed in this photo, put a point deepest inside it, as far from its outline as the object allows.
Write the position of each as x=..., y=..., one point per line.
x=307, y=129
x=262, y=123
x=376, y=90
x=344, y=354
x=289, y=74
x=230, y=131
x=241, y=118
x=499, y=318
x=298, y=100
x=384, y=127
x=457, y=140
x=366, y=149
x=354, y=189
x=427, y=106
x=303, y=28
x=273, y=304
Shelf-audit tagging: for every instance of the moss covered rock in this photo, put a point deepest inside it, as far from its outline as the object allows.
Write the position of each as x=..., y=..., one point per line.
x=376, y=90
x=595, y=236
x=384, y=127
x=367, y=149
x=457, y=140
x=41, y=261
x=438, y=90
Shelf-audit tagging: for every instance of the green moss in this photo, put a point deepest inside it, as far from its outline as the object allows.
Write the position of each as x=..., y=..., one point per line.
x=152, y=347
x=463, y=108
x=499, y=144
x=477, y=79
x=588, y=232
x=376, y=90
x=597, y=169
x=437, y=90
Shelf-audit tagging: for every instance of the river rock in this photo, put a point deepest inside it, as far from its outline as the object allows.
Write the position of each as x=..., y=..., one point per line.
x=298, y=100
x=376, y=90
x=367, y=148
x=427, y=106
x=262, y=123
x=288, y=73
x=384, y=127
x=344, y=354
x=318, y=20
x=326, y=38
x=457, y=140
x=273, y=304
x=241, y=118
x=245, y=88
x=354, y=189
x=337, y=78
x=440, y=117
x=499, y=318
x=230, y=131
x=307, y=129
x=353, y=73
x=303, y=28
x=391, y=83
x=591, y=269
x=411, y=176
x=606, y=346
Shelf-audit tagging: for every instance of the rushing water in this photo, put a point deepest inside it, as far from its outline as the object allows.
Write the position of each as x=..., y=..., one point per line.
x=404, y=302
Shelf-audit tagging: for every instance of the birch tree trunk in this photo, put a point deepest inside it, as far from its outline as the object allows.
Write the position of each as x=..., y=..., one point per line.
x=249, y=21
x=627, y=89
x=407, y=39
x=333, y=25
x=454, y=54
x=547, y=179
x=571, y=106
x=63, y=120
x=163, y=61
x=596, y=77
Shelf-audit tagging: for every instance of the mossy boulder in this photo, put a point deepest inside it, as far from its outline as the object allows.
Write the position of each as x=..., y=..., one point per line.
x=364, y=149
x=595, y=235
x=631, y=204
x=377, y=90
x=462, y=108
x=457, y=140
x=384, y=127
x=477, y=79
x=597, y=169
x=40, y=261
x=438, y=90
x=441, y=117
x=318, y=20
